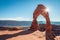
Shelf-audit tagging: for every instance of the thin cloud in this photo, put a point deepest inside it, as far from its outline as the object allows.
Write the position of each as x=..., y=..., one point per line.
x=27, y=19
x=17, y=19
x=56, y=20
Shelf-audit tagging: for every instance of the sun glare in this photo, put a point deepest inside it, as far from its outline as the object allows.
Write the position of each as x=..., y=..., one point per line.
x=47, y=9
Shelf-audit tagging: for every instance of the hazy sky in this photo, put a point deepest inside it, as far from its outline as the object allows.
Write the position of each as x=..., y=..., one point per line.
x=23, y=9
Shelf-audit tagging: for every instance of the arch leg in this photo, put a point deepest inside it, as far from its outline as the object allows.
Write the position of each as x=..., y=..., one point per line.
x=34, y=25
x=48, y=24
x=49, y=33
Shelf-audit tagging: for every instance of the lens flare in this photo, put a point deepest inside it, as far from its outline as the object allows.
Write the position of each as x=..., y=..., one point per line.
x=46, y=9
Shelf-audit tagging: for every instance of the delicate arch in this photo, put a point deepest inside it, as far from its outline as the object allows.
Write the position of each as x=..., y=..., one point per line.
x=40, y=10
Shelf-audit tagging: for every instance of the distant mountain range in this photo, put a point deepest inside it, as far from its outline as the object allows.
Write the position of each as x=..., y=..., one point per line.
x=22, y=23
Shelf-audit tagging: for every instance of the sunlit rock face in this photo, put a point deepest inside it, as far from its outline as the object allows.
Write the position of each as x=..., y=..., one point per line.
x=34, y=25
x=41, y=9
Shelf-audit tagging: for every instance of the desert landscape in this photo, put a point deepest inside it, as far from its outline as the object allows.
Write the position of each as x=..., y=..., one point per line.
x=24, y=33
x=29, y=19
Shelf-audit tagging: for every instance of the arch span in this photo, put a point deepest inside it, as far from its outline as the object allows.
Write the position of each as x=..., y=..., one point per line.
x=40, y=10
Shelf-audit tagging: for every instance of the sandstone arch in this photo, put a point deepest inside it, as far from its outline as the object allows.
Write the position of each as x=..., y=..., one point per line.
x=34, y=26
x=40, y=10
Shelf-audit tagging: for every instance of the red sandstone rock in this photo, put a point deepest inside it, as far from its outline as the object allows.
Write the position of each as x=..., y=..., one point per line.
x=34, y=26
x=40, y=10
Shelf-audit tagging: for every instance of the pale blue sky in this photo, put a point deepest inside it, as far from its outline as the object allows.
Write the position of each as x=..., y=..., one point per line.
x=23, y=9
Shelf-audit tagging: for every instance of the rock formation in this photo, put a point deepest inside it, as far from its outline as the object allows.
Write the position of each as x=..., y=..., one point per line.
x=41, y=10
